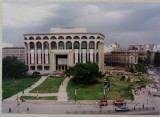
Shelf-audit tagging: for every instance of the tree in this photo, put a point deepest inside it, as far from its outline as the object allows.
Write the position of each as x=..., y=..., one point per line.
x=12, y=67
x=141, y=68
x=157, y=59
x=84, y=73
x=122, y=78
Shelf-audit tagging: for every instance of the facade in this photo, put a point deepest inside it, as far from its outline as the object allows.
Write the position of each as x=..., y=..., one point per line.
x=122, y=58
x=145, y=52
x=61, y=48
x=19, y=52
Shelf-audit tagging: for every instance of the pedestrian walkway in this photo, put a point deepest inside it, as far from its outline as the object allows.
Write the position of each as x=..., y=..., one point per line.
x=26, y=91
x=142, y=98
x=62, y=94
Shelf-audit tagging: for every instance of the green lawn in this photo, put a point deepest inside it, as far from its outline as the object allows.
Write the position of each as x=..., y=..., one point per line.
x=50, y=85
x=39, y=98
x=9, y=86
x=95, y=92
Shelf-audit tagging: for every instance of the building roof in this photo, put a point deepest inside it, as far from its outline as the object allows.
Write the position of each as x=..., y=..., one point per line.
x=13, y=48
x=60, y=34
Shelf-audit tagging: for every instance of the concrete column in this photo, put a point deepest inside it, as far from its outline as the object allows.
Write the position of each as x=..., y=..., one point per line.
x=80, y=52
x=35, y=52
x=42, y=57
x=29, y=56
x=95, y=51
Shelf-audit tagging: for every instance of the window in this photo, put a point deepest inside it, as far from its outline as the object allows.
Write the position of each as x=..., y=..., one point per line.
x=39, y=45
x=60, y=37
x=31, y=45
x=76, y=45
x=84, y=45
x=68, y=45
x=45, y=38
x=61, y=45
x=68, y=37
x=91, y=37
x=91, y=45
x=53, y=37
x=84, y=37
x=76, y=37
x=53, y=45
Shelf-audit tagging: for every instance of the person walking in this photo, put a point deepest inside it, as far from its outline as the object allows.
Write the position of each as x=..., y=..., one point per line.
x=10, y=110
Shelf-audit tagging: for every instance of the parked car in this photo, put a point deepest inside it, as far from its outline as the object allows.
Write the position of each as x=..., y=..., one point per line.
x=121, y=108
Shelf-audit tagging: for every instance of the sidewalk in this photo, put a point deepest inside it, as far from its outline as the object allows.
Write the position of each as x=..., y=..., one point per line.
x=26, y=91
x=62, y=94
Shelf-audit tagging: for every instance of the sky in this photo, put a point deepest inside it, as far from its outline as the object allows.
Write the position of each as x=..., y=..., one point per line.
x=124, y=23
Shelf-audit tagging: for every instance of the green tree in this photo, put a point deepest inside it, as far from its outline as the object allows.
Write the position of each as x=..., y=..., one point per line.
x=157, y=59
x=12, y=67
x=122, y=78
x=141, y=68
x=84, y=73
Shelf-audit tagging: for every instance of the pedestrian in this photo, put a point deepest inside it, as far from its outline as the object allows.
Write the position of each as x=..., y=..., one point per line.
x=10, y=110
x=62, y=83
x=134, y=108
x=96, y=103
x=143, y=92
x=143, y=105
x=23, y=91
x=136, y=102
x=27, y=109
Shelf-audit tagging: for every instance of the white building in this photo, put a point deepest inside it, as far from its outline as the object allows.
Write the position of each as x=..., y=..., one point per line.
x=63, y=47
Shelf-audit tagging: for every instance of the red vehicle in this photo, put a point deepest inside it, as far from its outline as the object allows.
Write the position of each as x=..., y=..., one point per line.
x=63, y=75
x=119, y=102
x=42, y=74
x=117, y=68
x=103, y=102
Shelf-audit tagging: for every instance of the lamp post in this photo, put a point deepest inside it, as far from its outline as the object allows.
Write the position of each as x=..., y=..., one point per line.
x=75, y=95
x=17, y=96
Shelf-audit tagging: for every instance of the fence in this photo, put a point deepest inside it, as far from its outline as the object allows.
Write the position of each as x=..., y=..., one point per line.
x=109, y=111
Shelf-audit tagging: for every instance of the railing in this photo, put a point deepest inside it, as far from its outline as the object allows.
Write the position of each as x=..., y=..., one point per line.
x=110, y=111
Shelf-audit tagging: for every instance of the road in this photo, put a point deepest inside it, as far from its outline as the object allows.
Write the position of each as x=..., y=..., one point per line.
x=51, y=107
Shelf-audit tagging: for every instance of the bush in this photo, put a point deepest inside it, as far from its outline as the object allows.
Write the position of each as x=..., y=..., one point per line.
x=122, y=78
x=35, y=74
x=128, y=80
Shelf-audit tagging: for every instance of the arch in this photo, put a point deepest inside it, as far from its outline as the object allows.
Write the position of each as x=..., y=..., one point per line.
x=46, y=45
x=68, y=45
x=83, y=37
x=61, y=45
x=45, y=38
x=31, y=38
x=91, y=45
x=76, y=45
x=91, y=37
x=84, y=45
x=38, y=38
x=68, y=37
x=53, y=37
x=76, y=37
x=98, y=37
x=53, y=45
x=39, y=45
x=60, y=37
x=31, y=44
x=98, y=45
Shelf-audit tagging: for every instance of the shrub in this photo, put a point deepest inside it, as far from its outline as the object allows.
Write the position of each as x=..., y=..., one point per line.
x=35, y=74
x=122, y=78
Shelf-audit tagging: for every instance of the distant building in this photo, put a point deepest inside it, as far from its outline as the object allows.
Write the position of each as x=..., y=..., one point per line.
x=145, y=52
x=121, y=57
x=156, y=48
x=61, y=48
x=19, y=52
x=111, y=47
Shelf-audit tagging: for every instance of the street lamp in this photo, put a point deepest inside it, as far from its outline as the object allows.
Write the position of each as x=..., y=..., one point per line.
x=17, y=94
x=75, y=95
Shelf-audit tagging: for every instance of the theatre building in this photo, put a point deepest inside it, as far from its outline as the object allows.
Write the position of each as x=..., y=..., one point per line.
x=61, y=48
